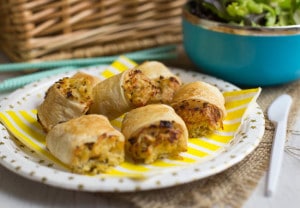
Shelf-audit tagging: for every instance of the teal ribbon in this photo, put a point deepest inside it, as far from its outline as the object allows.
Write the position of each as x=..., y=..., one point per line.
x=14, y=83
x=159, y=53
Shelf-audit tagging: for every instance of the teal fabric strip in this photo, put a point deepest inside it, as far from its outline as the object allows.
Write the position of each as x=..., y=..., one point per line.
x=164, y=52
x=150, y=54
x=20, y=81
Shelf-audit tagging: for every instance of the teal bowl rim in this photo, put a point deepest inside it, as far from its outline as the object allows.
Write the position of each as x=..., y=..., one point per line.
x=238, y=29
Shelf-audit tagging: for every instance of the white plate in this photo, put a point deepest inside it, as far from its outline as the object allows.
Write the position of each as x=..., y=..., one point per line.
x=19, y=159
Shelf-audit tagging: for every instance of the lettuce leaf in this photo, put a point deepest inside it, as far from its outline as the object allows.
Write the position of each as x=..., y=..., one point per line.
x=249, y=12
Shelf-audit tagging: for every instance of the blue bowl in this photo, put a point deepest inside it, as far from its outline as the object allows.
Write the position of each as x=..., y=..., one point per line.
x=245, y=56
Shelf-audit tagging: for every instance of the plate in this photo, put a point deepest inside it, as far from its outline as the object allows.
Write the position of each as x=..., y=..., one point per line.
x=26, y=162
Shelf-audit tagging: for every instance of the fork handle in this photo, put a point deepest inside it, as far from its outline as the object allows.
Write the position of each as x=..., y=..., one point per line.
x=276, y=156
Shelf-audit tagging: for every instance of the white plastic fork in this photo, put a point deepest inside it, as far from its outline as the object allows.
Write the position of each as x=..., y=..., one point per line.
x=278, y=114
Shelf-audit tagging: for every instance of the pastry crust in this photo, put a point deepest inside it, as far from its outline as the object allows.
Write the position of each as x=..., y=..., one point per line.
x=88, y=144
x=152, y=132
x=67, y=98
x=201, y=106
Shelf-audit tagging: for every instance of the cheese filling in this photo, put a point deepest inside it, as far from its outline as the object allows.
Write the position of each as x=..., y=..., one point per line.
x=166, y=88
x=77, y=89
x=201, y=118
x=96, y=157
x=138, y=88
x=160, y=140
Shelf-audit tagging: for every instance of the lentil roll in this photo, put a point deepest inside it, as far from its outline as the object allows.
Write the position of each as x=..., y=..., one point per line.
x=165, y=82
x=152, y=132
x=92, y=79
x=67, y=98
x=121, y=93
x=201, y=106
x=88, y=144
x=147, y=83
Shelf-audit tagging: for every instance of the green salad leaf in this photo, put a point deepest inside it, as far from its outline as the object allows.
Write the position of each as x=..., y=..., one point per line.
x=249, y=12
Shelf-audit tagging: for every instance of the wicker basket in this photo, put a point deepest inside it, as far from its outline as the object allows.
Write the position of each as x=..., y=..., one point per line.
x=64, y=29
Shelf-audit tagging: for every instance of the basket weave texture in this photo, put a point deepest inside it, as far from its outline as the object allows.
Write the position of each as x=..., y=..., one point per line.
x=64, y=29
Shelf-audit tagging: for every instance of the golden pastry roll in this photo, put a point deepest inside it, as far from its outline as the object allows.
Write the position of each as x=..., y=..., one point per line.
x=120, y=93
x=201, y=106
x=164, y=80
x=88, y=144
x=92, y=79
x=147, y=83
x=67, y=98
x=152, y=132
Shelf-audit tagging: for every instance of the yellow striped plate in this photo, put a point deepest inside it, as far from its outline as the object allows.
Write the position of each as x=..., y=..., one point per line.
x=28, y=156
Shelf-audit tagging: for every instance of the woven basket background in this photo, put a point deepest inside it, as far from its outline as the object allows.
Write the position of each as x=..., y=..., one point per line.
x=63, y=29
